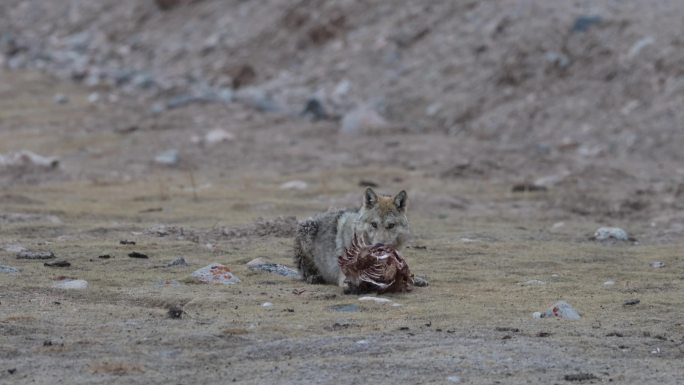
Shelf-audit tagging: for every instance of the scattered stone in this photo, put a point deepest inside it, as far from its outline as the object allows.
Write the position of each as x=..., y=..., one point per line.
x=135, y=254
x=105, y=256
x=218, y=135
x=557, y=59
x=610, y=282
x=30, y=254
x=527, y=187
x=611, y=234
x=346, y=307
x=60, y=99
x=362, y=342
x=361, y=120
x=126, y=242
x=266, y=304
x=68, y=283
x=167, y=283
x=657, y=264
x=12, y=371
x=93, y=98
x=262, y=264
x=631, y=302
x=543, y=334
x=375, y=299
x=580, y=377
x=582, y=23
x=215, y=273
x=167, y=158
x=454, y=378
x=257, y=99
x=314, y=110
x=614, y=334
x=185, y=100
x=560, y=309
x=175, y=312
x=178, y=261
x=533, y=282
x=57, y=264
x=25, y=158
x=294, y=185
x=8, y=269
x=368, y=183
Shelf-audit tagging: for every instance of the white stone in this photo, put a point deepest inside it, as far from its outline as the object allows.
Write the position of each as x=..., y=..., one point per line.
x=294, y=185
x=607, y=233
x=533, y=282
x=71, y=284
x=609, y=283
x=218, y=135
x=266, y=304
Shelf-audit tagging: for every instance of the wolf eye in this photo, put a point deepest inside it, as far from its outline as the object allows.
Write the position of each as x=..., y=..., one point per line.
x=390, y=226
x=374, y=224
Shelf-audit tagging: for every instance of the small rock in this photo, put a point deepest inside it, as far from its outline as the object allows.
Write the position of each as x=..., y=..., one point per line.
x=582, y=23
x=215, y=273
x=375, y=299
x=57, y=264
x=266, y=304
x=175, y=312
x=657, y=264
x=168, y=158
x=433, y=109
x=12, y=371
x=126, y=242
x=15, y=248
x=8, y=269
x=60, y=99
x=557, y=59
x=533, y=282
x=68, y=283
x=29, y=254
x=609, y=283
x=631, y=302
x=104, y=256
x=527, y=187
x=362, y=342
x=314, y=110
x=420, y=281
x=178, y=261
x=611, y=233
x=294, y=185
x=262, y=264
x=454, y=379
x=361, y=120
x=135, y=254
x=218, y=136
x=560, y=309
x=346, y=307
x=93, y=98
x=537, y=314
x=580, y=377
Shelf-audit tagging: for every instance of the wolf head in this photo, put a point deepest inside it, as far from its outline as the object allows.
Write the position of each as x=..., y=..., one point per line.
x=383, y=219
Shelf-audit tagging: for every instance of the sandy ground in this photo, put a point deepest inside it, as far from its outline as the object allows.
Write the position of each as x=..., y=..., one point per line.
x=475, y=240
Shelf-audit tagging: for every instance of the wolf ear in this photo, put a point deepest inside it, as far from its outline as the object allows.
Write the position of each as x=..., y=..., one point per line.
x=370, y=198
x=401, y=200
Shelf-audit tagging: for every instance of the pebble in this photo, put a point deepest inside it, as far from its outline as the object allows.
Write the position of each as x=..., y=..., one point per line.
x=215, y=273
x=68, y=283
x=560, y=309
x=454, y=379
x=582, y=23
x=60, y=99
x=266, y=304
x=168, y=158
x=657, y=264
x=27, y=158
x=93, y=98
x=533, y=282
x=218, y=135
x=611, y=233
x=632, y=302
x=294, y=185
x=609, y=283
x=361, y=120
x=15, y=248
x=178, y=261
x=8, y=269
x=29, y=254
x=362, y=342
